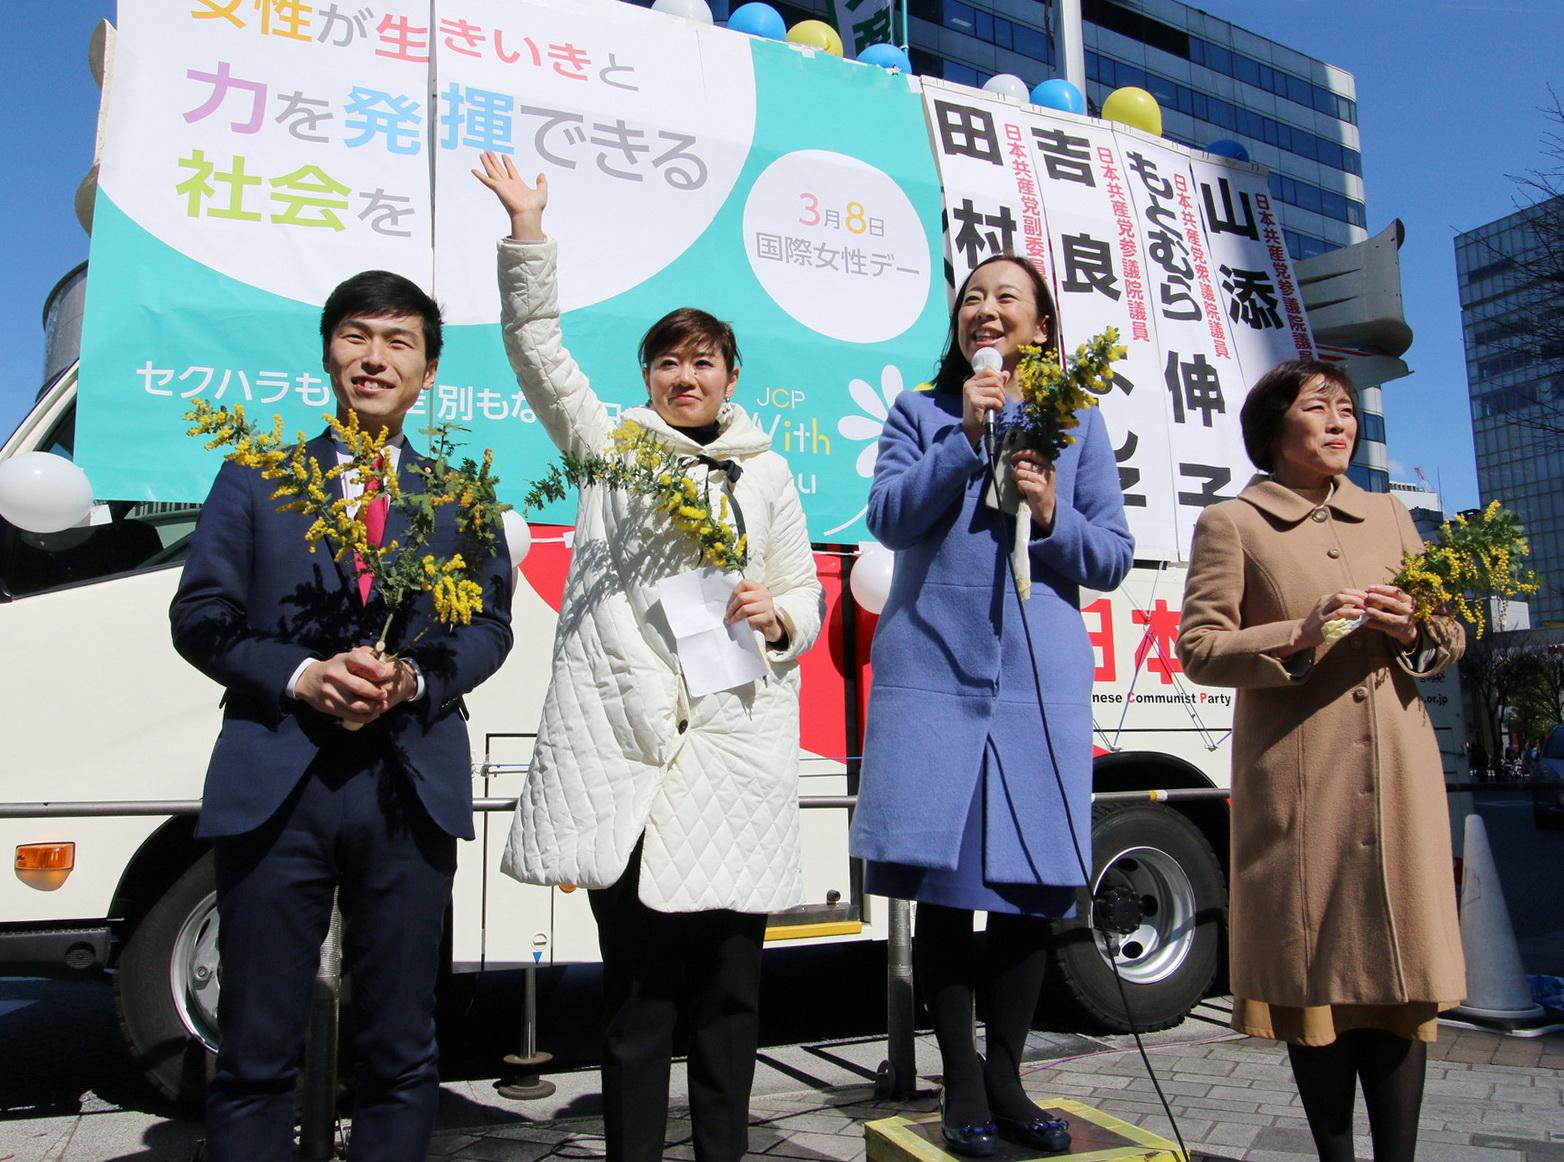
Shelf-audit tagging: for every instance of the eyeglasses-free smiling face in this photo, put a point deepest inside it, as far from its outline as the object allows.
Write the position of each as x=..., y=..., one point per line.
x=688, y=385
x=1318, y=432
x=378, y=367
x=999, y=309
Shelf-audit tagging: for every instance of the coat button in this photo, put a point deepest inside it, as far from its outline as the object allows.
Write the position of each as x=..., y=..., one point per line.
x=1319, y=515
x=1359, y=694
x=684, y=725
x=1333, y=553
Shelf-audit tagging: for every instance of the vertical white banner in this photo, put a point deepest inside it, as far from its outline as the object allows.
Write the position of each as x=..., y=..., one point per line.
x=1102, y=282
x=861, y=23
x=1201, y=379
x=1250, y=265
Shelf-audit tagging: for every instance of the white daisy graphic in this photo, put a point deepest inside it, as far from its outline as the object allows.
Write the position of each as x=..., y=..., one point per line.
x=876, y=407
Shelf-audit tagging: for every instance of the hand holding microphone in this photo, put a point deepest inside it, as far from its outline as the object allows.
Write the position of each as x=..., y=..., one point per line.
x=984, y=395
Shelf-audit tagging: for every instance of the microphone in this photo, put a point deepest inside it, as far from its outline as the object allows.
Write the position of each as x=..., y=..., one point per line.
x=987, y=359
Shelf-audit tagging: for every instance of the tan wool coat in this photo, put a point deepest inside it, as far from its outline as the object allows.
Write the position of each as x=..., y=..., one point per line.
x=1342, y=889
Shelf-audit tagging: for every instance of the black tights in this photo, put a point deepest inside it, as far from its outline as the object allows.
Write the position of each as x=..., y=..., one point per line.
x=1010, y=976
x=1391, y=1070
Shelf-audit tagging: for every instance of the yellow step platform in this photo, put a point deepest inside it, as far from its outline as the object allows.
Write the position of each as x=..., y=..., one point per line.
x=1095, y=1137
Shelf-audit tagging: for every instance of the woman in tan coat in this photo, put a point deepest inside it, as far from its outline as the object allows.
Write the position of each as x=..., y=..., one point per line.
x=1344, y=935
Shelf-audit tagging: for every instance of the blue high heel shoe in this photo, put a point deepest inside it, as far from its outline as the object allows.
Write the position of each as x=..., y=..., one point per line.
x=975, y=1140
x=1051, y=1135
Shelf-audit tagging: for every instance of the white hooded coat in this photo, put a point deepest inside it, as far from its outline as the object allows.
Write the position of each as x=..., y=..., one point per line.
x=622, y=749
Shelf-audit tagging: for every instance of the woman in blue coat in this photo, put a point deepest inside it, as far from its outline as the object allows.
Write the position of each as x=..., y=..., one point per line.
x=960, y=806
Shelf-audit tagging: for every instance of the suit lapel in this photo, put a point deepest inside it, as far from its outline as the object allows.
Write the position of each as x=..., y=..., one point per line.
x=324, y=452
x=407, y=480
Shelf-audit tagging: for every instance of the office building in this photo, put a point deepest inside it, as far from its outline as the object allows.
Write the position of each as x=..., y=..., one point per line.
x=1516, y=381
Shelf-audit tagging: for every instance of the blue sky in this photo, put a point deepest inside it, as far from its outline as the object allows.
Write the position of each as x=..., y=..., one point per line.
x=1448, y=97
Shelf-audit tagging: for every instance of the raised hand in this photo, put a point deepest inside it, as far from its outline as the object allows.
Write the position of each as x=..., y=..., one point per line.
x=522, y=202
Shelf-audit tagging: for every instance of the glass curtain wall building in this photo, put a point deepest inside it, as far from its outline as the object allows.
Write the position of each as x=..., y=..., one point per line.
x=1515, y=376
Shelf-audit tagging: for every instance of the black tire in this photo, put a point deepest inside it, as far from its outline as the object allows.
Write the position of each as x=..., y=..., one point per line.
x=166, y=987
x=1157, y=867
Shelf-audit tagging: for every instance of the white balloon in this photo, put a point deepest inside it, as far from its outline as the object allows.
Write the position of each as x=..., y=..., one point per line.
x=518, y=536
x=1007, y=85
x=870, y=580
x=695, y=10
x=43, y=493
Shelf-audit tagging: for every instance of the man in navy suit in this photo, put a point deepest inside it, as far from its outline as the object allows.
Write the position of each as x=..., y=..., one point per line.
x=298, y=807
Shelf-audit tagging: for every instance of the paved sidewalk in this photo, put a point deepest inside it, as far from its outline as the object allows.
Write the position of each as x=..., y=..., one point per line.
x=1489, y=1099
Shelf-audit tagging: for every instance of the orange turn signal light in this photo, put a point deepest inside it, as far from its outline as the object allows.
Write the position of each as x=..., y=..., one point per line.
x=45, y=857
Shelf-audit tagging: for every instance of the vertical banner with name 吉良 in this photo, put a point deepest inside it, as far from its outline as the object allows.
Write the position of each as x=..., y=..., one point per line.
x=255, y=155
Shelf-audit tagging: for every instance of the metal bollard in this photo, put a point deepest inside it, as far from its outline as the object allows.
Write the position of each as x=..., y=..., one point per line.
x=524, y=1083
x=898, y=1074
x=318, y=1119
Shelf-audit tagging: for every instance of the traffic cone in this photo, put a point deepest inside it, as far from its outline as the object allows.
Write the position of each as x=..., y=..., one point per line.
x=1497, y=995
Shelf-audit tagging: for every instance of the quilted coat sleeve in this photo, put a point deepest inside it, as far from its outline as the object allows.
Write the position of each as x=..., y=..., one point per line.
x=555, y=387
x=1214, y=646
x=790, y=574
x=914, y=485
x=1090, y=543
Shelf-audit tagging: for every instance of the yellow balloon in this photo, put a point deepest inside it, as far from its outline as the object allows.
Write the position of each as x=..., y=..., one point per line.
x=816, y=34
x=1132, y=106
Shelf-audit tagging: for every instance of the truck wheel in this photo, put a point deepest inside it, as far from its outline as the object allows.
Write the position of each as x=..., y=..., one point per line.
x=1156, y=905
x=167, y=987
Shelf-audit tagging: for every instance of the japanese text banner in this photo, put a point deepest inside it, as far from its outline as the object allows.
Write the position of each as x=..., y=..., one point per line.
x=255, y=155
x=691, y=166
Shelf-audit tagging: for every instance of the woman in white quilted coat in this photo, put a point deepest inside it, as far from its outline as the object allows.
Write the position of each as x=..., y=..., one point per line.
x=679, y=813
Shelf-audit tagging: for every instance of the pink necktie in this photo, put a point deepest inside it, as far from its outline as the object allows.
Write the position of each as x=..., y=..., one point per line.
x=374, y=515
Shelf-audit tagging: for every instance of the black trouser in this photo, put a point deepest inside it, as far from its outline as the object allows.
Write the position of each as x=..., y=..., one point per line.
x=363, y=833
x=657, y=966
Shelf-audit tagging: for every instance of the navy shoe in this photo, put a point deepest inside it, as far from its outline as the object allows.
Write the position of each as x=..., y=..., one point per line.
x=1051, y=1135
x=974, y=1140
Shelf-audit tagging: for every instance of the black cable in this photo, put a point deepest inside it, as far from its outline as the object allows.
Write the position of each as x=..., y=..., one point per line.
x=992, y=460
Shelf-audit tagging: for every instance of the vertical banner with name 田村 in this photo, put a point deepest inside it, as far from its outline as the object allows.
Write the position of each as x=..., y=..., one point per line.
x=255, y=155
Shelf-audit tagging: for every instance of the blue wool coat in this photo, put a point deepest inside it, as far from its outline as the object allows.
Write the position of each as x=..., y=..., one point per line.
x=951, y=674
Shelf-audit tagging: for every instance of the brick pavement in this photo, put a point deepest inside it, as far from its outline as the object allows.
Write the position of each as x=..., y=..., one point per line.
x=1489, y=1099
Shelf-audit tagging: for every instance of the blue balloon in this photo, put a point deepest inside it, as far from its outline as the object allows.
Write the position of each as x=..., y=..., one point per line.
x=1059, y=94
x=758, y=19
x=887, y=56
x=1227, y=147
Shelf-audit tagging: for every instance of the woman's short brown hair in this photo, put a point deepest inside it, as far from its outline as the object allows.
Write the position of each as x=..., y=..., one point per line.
x=685, y=327
x=1269, y=399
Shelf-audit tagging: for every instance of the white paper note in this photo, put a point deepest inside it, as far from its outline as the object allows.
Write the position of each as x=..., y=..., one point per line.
x=714, y=655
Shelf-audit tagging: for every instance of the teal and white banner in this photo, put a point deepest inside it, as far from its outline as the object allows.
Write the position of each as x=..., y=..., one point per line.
x=258, y=153
x=253, y=163
x=252, y=160
x=697, y=167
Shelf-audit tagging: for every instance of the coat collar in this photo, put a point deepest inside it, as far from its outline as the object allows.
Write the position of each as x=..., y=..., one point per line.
x=1348, y=501
x=739, y=437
